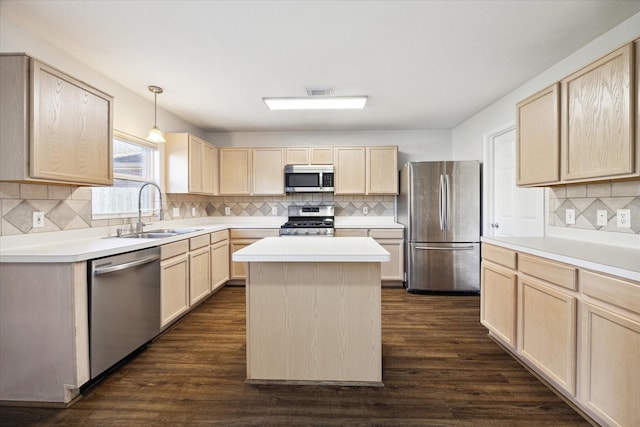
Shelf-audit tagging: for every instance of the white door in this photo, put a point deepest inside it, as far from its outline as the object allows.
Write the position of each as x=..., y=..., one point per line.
x=513, y=211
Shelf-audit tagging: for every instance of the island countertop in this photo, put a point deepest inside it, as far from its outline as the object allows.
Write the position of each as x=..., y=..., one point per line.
x=313, y=249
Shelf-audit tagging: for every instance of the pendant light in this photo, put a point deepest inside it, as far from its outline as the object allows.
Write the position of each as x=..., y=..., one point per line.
x=155, y=134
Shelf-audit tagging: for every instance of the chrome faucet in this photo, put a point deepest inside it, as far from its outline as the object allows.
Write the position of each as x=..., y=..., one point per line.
x=140, y=225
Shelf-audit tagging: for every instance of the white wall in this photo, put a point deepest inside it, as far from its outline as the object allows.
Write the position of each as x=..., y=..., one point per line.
x=468, y=137
x=413, y=145
x=133, y=113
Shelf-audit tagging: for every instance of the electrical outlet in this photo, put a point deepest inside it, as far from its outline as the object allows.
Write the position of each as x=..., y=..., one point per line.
x=38, y=219
x=193, y=211
x=601, y=217
x=274, y=210
x=176, y=212
x=570, y=216
x=227, y=210
x=365, y=210
x=623, y=218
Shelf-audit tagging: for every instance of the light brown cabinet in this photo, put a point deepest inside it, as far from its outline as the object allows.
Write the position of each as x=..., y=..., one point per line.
x=309, y=155
x=597, y=120
x=235, y=171
x=219, y=259
x=366, y=170
x=190, y=164
x=498, y=299
x=53, y=128
x=538, y=138
x=238, y=239
x=610, y=348
x=268, y=171
x=174, y=281
x=199, y=268
x=391, y=239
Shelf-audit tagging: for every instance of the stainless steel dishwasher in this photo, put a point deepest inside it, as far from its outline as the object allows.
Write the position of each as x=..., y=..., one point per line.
x=124, y=306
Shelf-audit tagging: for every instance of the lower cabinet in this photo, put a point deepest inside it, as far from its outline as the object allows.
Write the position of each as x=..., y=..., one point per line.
x=219, y=259
x=498, y=302
x=578, y=329
x=241, y=237
x=199, y=269
x=610, y=349
x=547, y=330
x=174, y=281
x=389, y=238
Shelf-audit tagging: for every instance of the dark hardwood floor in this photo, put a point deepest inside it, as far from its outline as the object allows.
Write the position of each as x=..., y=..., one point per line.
x=439, y=369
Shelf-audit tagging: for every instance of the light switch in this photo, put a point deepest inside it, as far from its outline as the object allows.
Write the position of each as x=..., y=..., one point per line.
x=601, y=217
x=38, y=219
x=176, y=212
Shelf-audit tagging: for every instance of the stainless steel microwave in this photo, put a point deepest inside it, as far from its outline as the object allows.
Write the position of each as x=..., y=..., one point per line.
x=308, y=178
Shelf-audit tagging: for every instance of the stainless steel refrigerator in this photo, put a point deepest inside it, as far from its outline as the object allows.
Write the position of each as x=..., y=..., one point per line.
x=439, y=205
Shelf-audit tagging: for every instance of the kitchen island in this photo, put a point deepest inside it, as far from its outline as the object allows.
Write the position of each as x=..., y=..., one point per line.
x=313, y=310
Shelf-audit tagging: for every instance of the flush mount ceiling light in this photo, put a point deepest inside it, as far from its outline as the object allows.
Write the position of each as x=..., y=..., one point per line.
x=155, y=134
x=317, y=103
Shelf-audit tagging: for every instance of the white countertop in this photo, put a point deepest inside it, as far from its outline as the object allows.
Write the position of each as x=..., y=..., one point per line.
x=615, y=260
x=313, y=249
x=90, y=243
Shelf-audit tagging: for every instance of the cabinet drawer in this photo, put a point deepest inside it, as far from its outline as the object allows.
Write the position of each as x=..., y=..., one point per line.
x=386, y=233
x=199, y=241
x=253, y=233
x=553, y=272
x=499, y=255
x=218, y=236
x=173, y=249
x=351, y=232
x=613, y=290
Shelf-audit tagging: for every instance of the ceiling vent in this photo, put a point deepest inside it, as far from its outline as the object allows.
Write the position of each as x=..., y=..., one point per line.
x=318, y=91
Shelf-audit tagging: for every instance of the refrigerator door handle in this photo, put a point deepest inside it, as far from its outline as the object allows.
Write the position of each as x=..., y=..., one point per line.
x=447, y=203
x=440, y=248
x=441, y=200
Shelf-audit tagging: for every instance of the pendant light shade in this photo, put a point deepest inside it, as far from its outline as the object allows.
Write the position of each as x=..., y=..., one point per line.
x=155, y=134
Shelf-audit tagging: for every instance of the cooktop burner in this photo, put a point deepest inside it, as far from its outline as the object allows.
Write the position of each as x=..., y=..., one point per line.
x=308, y=220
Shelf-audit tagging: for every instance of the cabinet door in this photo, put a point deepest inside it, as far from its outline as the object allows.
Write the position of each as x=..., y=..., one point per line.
x=382, y=170
x=209, y=169
x=71, y=129
x=238, y=269
x=268, y=171
x=547, y=331
x=538, y=138
x=321, y=155
x=394, y=269
x=498, y=302
x=174, y=288
x=196, y=155
x=610, y=372
x=235, y=170
x=597, y=122
x=199, y=274
x=297, y=156
x=219, y=264
x=349, y=170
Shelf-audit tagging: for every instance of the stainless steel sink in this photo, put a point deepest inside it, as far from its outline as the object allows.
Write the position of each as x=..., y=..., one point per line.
x=160, y=233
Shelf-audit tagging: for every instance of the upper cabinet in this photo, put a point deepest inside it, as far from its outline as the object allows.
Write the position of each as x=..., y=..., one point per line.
x=538, y=136
x=53, y=127
x=366, y=170
x=309, y=156
x=597, y=120
x=252, y=171
x=598, y=131
x=191, y=165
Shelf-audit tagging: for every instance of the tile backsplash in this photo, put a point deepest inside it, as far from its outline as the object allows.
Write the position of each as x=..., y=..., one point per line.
x=68, y=207
x=587, y=199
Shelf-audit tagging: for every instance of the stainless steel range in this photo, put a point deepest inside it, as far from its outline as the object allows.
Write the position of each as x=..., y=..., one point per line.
x=309, y=221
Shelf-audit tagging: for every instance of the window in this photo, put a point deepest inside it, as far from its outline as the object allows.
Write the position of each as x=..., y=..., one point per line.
x=135, y=161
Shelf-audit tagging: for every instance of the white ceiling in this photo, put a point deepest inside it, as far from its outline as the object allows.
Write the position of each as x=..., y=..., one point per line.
x=423, y=64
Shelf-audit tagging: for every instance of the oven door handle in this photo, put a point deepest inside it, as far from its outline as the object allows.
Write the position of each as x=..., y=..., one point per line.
x=125, y=266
